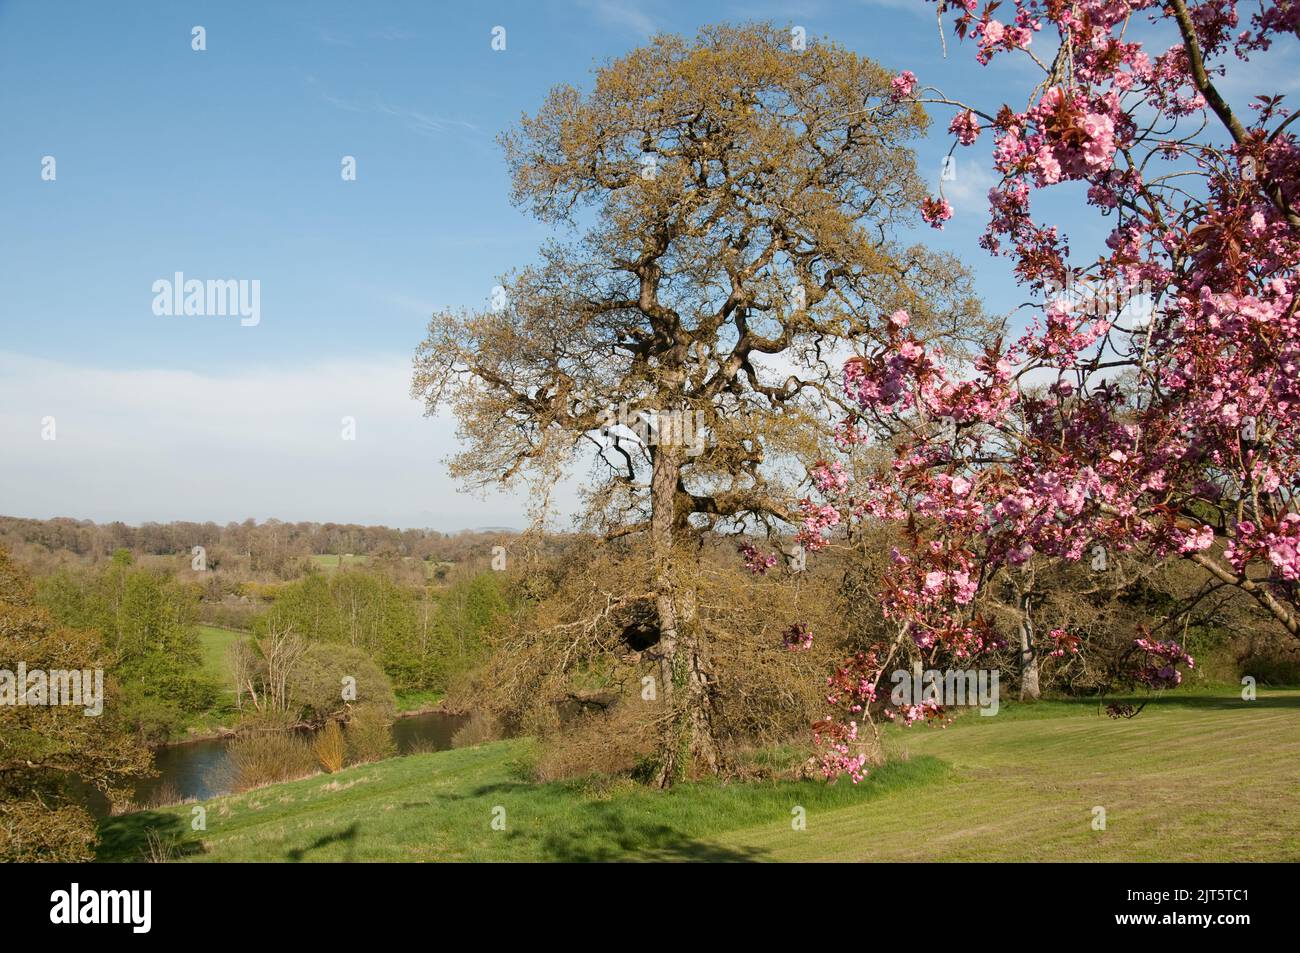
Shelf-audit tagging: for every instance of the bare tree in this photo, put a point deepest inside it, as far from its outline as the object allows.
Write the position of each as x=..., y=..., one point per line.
x=263, y=666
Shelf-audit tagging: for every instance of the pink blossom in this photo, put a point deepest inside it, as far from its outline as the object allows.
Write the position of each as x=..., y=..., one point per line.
x=903, y=84
x=965, y=127
x=935, y=212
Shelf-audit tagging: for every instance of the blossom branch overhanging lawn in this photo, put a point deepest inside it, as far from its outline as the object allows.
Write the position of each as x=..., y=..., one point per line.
x=1160, y=418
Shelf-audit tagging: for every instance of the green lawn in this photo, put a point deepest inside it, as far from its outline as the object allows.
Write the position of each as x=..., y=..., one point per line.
x=215, y=644
x=1194, y=777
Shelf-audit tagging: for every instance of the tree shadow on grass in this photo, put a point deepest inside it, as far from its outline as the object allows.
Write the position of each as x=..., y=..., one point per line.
x=125, y=839
x=1189, y=700
x=502, y=787
x=598, y=833
x=347, y=836
x=602, y=835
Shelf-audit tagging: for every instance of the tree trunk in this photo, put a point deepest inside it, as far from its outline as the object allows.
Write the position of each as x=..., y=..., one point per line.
x=1028, y=654
x=684, y=665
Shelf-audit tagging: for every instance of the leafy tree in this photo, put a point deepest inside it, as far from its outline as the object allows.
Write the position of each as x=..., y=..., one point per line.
x=147, y=620
x=43, y=748
x=420, y=639
x=316, y=683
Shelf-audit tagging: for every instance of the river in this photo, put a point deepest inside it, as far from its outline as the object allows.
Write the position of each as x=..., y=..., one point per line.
x=200, y=769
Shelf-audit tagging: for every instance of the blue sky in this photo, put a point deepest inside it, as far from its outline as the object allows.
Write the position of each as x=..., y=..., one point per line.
x=225, y=163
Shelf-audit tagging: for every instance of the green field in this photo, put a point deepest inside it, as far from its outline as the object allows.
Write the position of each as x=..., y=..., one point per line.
x=333, y=561
x=419, y=699
x=1194, y=777
x=215, y=644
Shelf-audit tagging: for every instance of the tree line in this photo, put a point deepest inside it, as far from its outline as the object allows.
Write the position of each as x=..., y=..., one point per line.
x=268, y=543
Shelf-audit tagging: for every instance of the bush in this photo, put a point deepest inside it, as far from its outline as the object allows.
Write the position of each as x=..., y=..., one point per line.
x=1278, y=669
x=153, y=720
x=267, y=757
x=612, y=742
x=316, y=684
x=369, y=735
x=479, y=729
x=329, y=748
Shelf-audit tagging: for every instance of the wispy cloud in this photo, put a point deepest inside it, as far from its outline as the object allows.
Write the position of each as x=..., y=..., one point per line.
x=413, y=119
x=156, y=444
x=625, y=14
x=392, y=34
x=969, y=191
x=388, y=35
x=421, y=122
x=331, y=38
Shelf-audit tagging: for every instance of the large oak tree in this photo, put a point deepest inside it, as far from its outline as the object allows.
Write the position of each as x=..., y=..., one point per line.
x=729, y=217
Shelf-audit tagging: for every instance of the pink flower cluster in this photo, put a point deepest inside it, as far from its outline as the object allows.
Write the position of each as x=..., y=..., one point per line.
x=996, y=37
x=1159, y=665
x=1280, y=545
x=965, y=127
x=818, y=520
x=756, y=561
x=798, y=638
x=903, y=85
x=936, y=211
x=830, y=477
x=852, y=688
x=908, y=715
x=1063, y=643
x=1064, y=136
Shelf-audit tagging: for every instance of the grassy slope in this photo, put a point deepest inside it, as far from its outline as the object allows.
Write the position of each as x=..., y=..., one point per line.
x=440, y=807
x=1196, y=777
x=215, y=644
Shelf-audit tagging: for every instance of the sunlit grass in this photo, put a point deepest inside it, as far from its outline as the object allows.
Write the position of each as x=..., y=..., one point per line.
x=1201, y=776
x=215, y=644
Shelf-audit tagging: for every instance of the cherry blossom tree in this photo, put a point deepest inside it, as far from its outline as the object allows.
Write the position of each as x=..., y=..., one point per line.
x=1149, y=405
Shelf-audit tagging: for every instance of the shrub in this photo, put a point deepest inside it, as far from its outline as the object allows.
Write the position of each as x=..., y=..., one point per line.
x=479, y=729
x=315, y=685
x=612, y=742
x=369, y=735
x=329, y=748
x=1275, y=669
x=266, y=757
